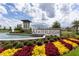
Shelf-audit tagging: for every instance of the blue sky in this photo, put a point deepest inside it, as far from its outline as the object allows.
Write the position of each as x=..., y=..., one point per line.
x=14, y=14
x=38, y=13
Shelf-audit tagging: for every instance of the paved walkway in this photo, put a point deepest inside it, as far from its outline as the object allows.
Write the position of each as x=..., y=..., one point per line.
x=31, y=38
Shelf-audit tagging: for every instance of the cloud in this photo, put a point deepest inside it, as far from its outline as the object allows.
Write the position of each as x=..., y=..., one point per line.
x=2, y=10
x=49, y=8
x=9, y=22
x=14, y=13
x=39, y=13
x=75, y=6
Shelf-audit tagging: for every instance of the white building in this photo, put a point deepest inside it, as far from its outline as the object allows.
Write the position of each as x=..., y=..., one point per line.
x=26, y=24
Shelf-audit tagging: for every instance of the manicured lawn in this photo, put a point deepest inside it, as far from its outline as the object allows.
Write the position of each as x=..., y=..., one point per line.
x=74, y=52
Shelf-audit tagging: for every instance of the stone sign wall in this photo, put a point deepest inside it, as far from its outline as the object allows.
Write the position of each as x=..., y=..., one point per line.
x=45, y=31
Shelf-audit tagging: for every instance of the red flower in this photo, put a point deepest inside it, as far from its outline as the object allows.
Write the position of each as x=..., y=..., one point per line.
x=51, y=50
x=69, y=46
x=25, y=51
x=75, y=41
x=1, y=50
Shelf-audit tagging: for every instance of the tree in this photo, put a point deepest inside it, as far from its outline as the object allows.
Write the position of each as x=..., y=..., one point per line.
x=56, y=25
x=4, y=28
x=0, y=26
x=10, y=28
x=76, y=25
x=68, y=28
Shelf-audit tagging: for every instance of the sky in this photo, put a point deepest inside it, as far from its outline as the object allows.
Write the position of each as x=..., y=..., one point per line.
x=40, y=14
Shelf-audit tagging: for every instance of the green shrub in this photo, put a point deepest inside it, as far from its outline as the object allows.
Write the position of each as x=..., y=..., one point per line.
x=77, y=36
x=18, y=45
x=8, y=46
x=52, y=37
x=25, y=42
x=46, y=41
x=68, y=34
x=29, y=43
x=40, y=40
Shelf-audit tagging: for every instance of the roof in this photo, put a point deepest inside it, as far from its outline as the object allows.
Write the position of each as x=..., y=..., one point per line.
x=26, y=20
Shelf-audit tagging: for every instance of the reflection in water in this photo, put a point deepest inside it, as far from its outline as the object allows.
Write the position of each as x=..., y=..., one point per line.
x=6, y=36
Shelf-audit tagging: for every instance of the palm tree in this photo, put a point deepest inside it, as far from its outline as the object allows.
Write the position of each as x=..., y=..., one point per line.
x=76, y=25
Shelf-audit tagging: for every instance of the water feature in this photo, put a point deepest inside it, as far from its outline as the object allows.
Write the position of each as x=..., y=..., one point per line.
x=6, y=36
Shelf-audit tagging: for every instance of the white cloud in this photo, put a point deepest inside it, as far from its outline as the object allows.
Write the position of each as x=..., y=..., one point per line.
x=36, y=13
x=2, y=10
x=9, y=22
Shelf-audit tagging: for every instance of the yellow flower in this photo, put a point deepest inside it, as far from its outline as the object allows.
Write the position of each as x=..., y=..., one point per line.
x=62, y=49
x=9, y=52
x=73, y=39
x=39, y=51
x=72, y=43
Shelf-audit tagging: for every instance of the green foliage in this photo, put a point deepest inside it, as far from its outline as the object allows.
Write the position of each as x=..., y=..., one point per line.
x=29, y=43
x=4, y=28
x=25, y=42
x=52, y=37
x=40, y=40
x=7, y=46
x=68, y=28
x=67, y=34
x=56, y=25
x=19, y=30
x=28, y=31
x=74, y=52
x=10, y=29
x=18, y=45
x=46, y=41
x=77, y=36
x=76, y=25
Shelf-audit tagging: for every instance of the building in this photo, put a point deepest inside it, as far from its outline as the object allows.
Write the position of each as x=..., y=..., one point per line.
x=26, y=24
x=43, y=31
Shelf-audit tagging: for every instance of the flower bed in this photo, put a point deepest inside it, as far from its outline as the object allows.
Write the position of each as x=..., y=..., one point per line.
x=62, y=49
x=39, y=51
x=25, y=51
x=9, y=52
x=70, y=42
x=51, y=50
x=41, y=48
x=69, y=46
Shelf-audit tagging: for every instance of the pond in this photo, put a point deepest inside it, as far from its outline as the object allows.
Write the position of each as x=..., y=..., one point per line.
x=8, y=36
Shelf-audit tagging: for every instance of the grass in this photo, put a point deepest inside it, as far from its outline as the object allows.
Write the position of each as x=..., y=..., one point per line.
x=66, y=33
x=3, y=31
x=74, y=52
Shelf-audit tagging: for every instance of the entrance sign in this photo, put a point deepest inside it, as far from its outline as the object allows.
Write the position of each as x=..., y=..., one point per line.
x=47, y=31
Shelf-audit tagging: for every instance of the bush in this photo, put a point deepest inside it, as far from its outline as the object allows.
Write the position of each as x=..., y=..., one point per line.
x=40, y=40
x=39, y=43
x=77, y=36
x=25, y=42
x=18, y=45
x=8, y=46
x=30, y=43
x=67, y=34
x=46, y=41
x=52, y=38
